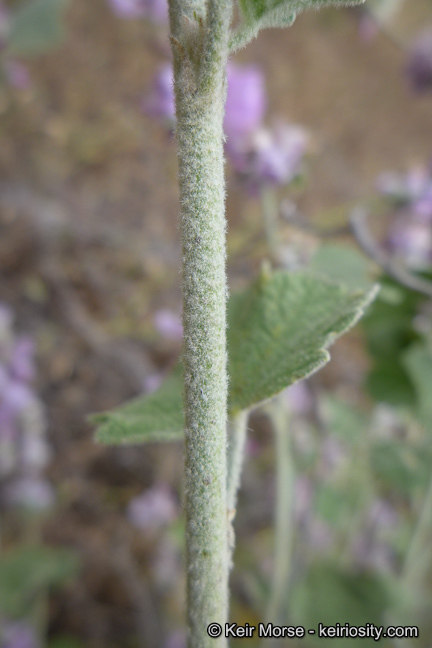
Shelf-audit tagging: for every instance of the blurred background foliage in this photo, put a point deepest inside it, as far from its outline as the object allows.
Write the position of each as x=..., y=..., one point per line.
x=329, y=167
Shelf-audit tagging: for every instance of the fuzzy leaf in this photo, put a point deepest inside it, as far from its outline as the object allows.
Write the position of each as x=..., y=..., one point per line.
x=36, y=26
x=280, y=329
x=157, y=417
x=262, y=14
x=278, y=333
x=342, y=264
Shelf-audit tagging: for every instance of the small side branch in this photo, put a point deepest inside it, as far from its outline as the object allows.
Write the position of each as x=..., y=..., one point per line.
x=358, y=221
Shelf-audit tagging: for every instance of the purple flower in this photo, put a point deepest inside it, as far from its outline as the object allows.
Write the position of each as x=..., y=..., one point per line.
x=270, y=156
x=161, y=103
x=129, y=8
x=405, y=188
x=246, y=101
x=155, y=10
x=21, y=362
x=29, y=492
x=168, y=324
x=423, y=206
x=410, y=235
x=18, y=634
x=411, y=241
x=15, y=396
x=279, y=153
x=419, y=68
x=153, y=509
x=24, y=451
x=17, y=74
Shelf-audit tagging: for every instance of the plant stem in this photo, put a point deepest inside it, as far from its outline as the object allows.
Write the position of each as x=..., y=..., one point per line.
x=236, y=447
x=200, y=50
x=418, y=554
x=283, y=512
x=269, y=208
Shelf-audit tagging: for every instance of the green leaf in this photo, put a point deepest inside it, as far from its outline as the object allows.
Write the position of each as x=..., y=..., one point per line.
x=389, y=333
x=331, y=595
x=157, y=417
x=278, y=333
x=417, y=361
x=25, y=571
x=389, y=324
x=36, y=26
x=400, y=467
x=388, y=382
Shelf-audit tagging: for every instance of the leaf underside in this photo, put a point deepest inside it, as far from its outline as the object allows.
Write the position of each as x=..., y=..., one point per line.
x=279, y=330
x=262, y=14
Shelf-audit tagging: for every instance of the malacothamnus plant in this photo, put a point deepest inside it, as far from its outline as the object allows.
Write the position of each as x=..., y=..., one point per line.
x=279, y=329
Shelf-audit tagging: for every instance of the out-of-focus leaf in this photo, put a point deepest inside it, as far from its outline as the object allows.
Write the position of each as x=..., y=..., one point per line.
x=418, y=363
x=388, y=325
x=278, y=332
x=24, y=572
x=389, y=333
x=343, y=420
x=334, y=505
x=401, y=466
x=330, y=595
x=36, y=26
x=388, y=382
x=157, y=417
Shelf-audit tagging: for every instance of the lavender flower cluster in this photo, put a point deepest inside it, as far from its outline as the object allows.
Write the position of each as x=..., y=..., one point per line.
x=24, y=451
x=18, y=634
x=419, y=68
x=410, y=195
x=260, y=155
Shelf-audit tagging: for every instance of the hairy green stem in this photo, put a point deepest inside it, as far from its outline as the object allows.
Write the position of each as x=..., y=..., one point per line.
x=200, y=49
x=283, y=512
